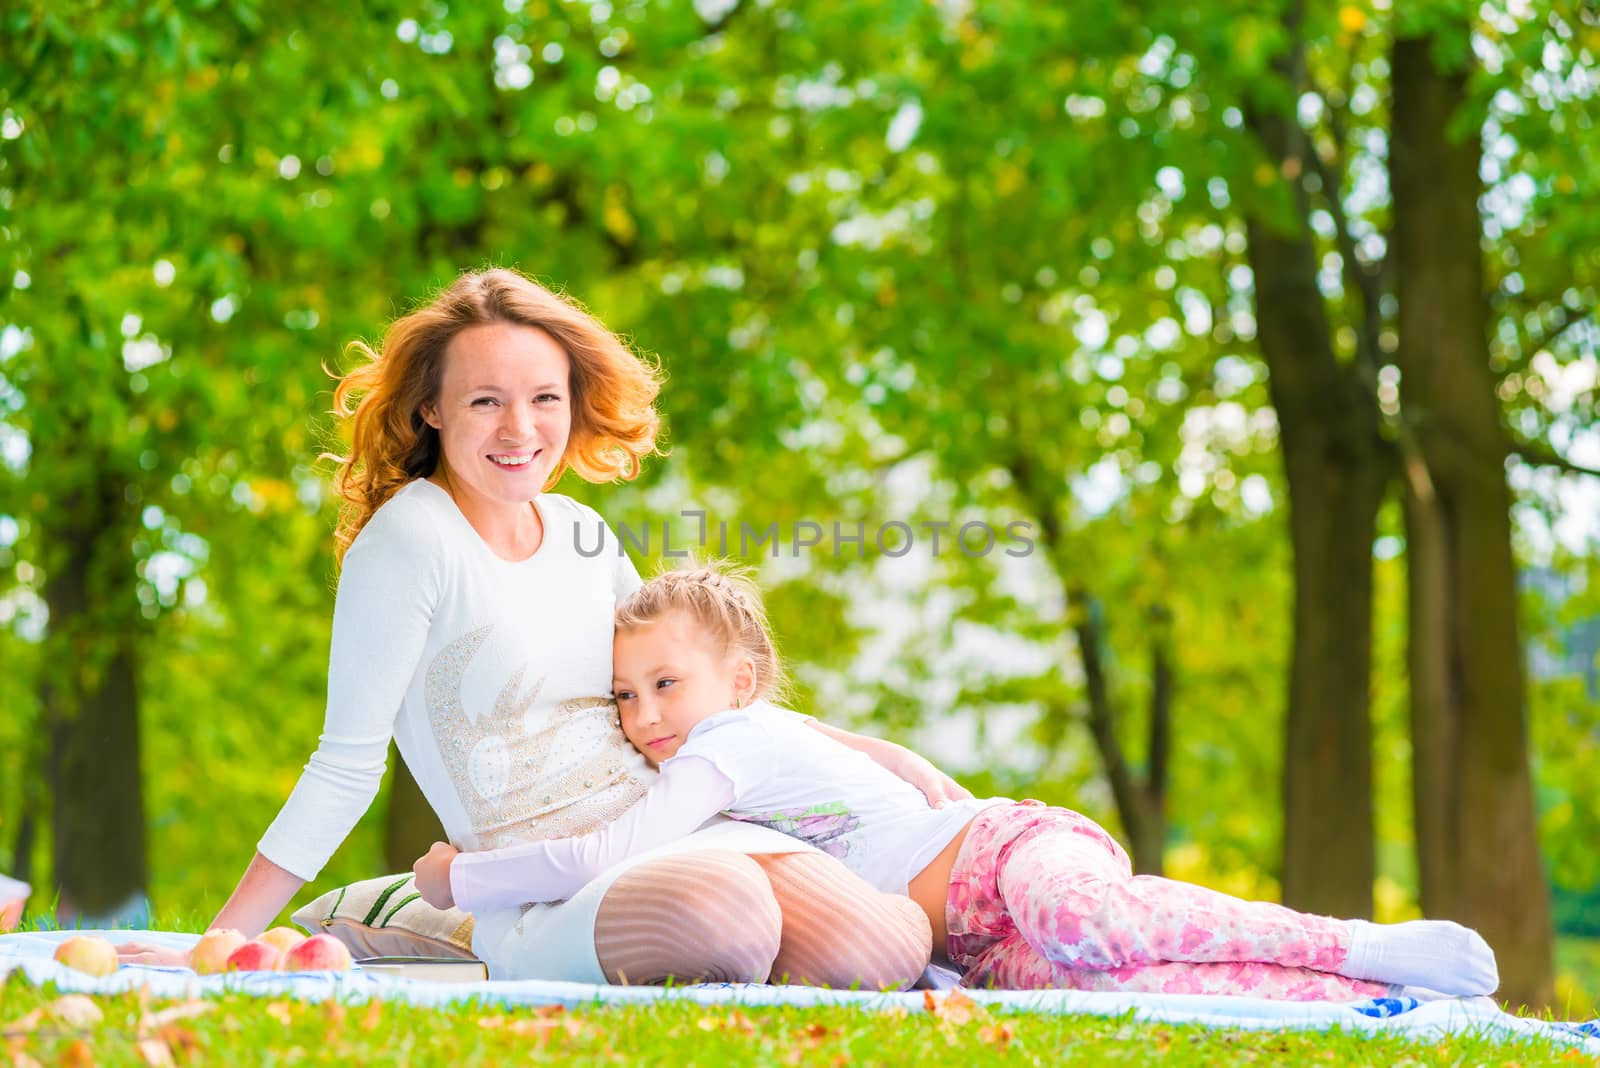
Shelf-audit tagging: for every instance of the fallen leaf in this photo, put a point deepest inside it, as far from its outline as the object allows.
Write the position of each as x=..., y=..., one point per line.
x=335, y=1014
x=180, y=1038
x=79, y=1054
x=955, y=1008
x=373, y=1015
x=544, y=1026
x=24, y=1024
x=154, y=1021
x=76, y=1010
x=999, y=1036
x=20, y=1059
x=279, y=1010
x=154, y=1052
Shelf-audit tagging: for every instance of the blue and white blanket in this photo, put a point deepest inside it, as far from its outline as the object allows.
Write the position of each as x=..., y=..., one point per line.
x=31, y=953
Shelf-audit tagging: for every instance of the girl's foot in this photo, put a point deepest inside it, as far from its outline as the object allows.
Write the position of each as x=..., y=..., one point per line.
x=1436, y=954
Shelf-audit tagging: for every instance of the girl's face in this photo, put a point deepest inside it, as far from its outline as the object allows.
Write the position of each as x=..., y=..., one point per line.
x=667, y=677
x=504, y=412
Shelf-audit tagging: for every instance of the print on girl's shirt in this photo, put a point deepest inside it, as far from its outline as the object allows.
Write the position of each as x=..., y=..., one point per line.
x=824, y=825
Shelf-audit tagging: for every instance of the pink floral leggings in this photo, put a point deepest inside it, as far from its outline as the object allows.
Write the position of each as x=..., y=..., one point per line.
x=1043, y=897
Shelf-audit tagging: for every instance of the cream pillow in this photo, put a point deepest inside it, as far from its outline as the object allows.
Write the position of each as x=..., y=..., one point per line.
x=386, y=917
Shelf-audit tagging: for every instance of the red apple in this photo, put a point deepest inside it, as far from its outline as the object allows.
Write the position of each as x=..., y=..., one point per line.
x=88, y=954
x=210, y=955
x=285, y=938
x=319, y=953
x=255, y=955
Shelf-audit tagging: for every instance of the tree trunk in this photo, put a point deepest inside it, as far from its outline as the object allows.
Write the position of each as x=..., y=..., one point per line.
x=91, y=704
x=1337, y=469
x=411, y=826
x=1477, y=838
x=1141, y=800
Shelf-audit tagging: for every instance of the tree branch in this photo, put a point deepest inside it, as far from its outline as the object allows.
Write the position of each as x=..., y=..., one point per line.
x=1088, y=625
x=1364, y=281
x=1570, y=316
x=1541, y=455
x=1155, y=785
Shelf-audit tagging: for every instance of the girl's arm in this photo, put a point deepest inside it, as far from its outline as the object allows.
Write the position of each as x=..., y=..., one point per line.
x=936, y=786
x=690, y=791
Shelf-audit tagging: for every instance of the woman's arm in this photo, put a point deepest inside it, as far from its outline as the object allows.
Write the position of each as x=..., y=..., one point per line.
x=690, y=791
x=939, y=788
x=388, y=585
x=263, y=891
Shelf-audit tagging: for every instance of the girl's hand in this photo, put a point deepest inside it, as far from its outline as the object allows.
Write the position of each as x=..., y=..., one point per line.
x=433, y=875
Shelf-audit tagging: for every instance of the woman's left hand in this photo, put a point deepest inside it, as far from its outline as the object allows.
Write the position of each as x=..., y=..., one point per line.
x=433, y=875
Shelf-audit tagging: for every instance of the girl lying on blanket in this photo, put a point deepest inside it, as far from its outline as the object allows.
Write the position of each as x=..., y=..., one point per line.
x=1018, y=894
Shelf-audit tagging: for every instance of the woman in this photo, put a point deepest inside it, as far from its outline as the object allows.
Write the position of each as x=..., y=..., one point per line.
x=469, y=629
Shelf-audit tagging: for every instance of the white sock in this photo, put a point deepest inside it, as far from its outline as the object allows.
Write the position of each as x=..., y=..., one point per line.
x=1436, y=954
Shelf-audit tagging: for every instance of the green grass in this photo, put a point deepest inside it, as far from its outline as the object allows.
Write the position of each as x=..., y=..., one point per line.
x=1577, y=978
x=246, y=1030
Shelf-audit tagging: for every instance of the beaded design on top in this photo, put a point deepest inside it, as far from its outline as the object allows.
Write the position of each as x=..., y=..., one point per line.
x=568, y=774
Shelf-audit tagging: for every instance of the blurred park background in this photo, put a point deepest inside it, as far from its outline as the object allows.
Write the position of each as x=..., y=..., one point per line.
x=1273, y=325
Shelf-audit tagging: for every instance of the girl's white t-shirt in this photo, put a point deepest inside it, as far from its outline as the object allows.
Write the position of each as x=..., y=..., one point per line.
x=762, y=764
x=492, y=676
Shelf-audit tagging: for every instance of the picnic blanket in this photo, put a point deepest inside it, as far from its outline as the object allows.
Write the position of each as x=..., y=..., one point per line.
x=31, y=954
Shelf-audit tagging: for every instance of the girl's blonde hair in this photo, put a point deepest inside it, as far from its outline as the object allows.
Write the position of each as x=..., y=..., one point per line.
x=726, y=604
x=614, y=421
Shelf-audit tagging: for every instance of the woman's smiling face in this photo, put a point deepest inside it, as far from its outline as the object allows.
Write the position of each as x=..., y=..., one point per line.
x=504, y=411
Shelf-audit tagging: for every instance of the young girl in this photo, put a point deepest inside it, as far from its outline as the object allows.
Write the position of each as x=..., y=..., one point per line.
x=1018, y=894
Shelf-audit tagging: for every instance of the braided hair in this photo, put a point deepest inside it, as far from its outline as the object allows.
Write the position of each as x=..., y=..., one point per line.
x=726, y=604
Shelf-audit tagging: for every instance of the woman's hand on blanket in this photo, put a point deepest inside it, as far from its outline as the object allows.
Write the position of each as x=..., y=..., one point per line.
x=433, y=875
x=155, y=956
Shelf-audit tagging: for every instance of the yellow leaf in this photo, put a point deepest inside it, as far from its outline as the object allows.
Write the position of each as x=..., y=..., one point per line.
x=999, y=1036
x=1352, y=18
x=76, y=1010
x=155, y=1053
x=78, y=1055
x=954, y=1008
x=156, y=1020
x=23, y=1024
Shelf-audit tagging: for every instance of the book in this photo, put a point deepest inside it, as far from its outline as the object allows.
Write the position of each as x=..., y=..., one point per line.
x=433, y=969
